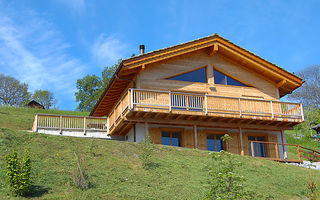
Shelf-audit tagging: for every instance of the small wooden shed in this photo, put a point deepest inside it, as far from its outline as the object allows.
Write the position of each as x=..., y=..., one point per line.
x=34, y=104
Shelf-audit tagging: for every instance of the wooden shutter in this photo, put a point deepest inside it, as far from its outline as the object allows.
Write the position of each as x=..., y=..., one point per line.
x=234, y=144
x=272, y=147
x=188, y=139
x=202, y=140
x=155, y=135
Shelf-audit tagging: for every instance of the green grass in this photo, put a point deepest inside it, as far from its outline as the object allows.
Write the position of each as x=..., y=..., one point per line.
x=116, y=172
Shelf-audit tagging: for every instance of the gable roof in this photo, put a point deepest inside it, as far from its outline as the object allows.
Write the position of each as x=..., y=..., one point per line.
x=129, y=68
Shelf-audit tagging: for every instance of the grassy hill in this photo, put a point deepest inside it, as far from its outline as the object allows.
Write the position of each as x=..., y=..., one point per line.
x=115, y=171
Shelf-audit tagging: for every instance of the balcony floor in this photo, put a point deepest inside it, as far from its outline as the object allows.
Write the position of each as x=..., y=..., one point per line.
x=151, y=115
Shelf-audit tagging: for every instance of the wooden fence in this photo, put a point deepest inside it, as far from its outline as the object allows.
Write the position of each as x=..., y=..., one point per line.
x=75, y=123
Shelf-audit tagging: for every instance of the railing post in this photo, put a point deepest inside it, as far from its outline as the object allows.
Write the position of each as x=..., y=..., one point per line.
x=84, y=125
x=206, y=103
x=240, y=112
x=131, y=106
x=277, y=151
x=252, y=149
x=36, y=123
x=302, y=114
x=60, y=125
x=272, y=109
x=170, y=103
x=298, y=151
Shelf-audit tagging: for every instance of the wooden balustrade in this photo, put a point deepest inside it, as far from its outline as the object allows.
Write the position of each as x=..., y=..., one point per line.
x=154, y=99
x=62, y=122
x=271, y=150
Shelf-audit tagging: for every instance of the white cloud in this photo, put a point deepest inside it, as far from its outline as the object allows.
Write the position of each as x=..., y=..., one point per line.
x=107, y=50
x=34, y=53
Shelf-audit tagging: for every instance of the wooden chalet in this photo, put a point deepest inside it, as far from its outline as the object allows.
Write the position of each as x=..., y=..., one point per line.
x=191, y=94
x=35, y=104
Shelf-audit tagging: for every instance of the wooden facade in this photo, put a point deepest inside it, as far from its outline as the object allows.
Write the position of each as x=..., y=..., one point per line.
x=161, y=95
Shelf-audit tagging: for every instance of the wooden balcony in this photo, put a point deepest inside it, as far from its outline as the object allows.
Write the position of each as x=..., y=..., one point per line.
x=175, y=106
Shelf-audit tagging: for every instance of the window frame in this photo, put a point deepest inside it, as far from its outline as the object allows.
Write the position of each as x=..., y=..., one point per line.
x=171, y=131
x=225, y=148
x=226, y=76
x=179, y=74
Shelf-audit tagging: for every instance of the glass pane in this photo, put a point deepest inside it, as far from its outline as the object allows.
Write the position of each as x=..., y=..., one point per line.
x=220, y=143
x=165, y=138
x=199, y=75
x=251, y=138
x=176, y=139
x=219, y=78
x=231, y=81
x=210, y=143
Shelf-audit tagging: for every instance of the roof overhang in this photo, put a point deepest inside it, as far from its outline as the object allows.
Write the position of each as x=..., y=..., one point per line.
x=215, y=44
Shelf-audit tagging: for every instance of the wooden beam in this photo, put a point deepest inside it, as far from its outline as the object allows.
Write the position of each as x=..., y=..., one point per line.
x=195, y=131
x=213, y=50
x=146, y=131
x=281, y=83
x=241, y=142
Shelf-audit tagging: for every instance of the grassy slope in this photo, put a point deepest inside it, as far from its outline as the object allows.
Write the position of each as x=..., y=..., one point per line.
x=115, y=170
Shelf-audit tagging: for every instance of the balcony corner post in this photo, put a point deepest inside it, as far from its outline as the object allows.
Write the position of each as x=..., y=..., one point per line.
x=84, y=126
x=302, y=114
x=60, y=125
x=131, y=98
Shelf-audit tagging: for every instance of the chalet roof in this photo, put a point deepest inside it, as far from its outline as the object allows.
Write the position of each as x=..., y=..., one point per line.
x=33, y=102
x=129, y=68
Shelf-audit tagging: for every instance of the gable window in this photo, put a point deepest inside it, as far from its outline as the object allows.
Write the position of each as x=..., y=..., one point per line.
x=220, y=78
x=199, y=75
x=171, y=138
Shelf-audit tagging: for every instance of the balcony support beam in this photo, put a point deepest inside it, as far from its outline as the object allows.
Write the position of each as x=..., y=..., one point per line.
x=241, y=142
x=195, y=131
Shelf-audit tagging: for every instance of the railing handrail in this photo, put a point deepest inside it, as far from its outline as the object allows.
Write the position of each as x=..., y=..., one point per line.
x=70, y=116
x=209, y=95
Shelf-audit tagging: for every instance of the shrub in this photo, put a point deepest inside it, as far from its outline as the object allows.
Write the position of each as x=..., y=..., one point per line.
x=145, y=156
x=224, y=182
x=19, y=173
x=312, y=188
x=79, y=175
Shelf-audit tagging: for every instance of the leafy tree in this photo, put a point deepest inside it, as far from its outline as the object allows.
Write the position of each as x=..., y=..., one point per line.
x=12, y=92
x=89, y=90
x=91, y=87
x=309, y=93
x=45, y=98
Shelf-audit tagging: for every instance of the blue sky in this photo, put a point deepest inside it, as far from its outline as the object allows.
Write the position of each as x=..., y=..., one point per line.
x=51, y=44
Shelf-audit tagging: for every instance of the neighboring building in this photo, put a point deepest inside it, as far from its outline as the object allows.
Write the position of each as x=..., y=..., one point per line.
x=34, y=104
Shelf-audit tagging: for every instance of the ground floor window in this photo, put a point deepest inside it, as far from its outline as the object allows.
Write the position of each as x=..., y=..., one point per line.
x=259, y=149
x=215, y=143
x=171, y=138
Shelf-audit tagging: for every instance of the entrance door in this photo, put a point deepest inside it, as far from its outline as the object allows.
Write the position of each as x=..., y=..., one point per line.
x=215, y=143
x=259, y=149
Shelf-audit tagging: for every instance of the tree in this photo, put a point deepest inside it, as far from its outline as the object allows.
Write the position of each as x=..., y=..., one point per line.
x=309, y=93
x=12, y=92
x=91, y=87
x=45, y=98
x=88, y=92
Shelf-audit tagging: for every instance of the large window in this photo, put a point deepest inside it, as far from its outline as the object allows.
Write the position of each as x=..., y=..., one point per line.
x=220, y=78
x=259, y=149
x=171, y=138
x=215, y=143
x=199, y=75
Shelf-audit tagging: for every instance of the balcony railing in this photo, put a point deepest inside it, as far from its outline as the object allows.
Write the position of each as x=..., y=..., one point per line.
x=71, y=123
x=204, y=104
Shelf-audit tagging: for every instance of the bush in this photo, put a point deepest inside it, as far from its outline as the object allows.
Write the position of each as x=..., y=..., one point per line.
x=19, y=173
x=145, y=156
x=79, y=175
